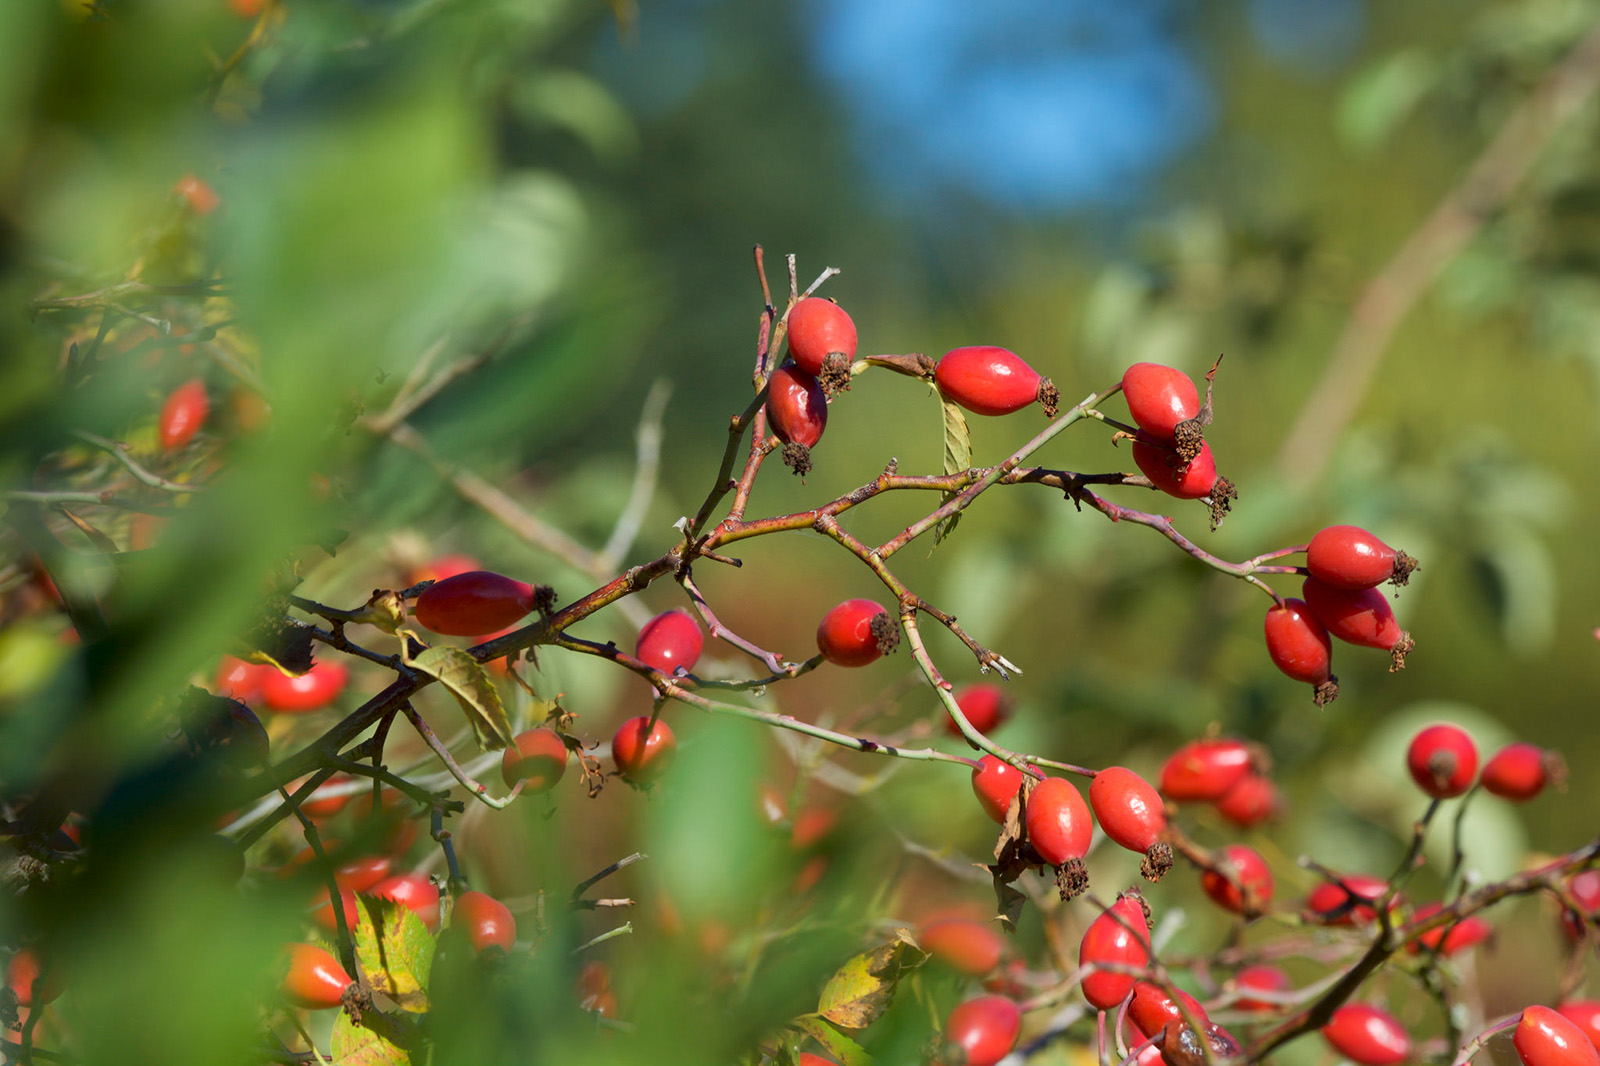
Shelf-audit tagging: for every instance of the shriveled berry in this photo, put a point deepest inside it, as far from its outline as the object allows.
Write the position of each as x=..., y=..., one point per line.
x=415, y=892
x=1159, y=397
x=1128, y=808
x=1253, y=800
x=1173, y=476
x=1206, y=769
x=987, y=380
x=1451, y=939
x=1058, y=821
x=642, y=753
x=670, y=641
x=818, y=327
x=1443, y=760
x=474, y=602
x=985, y=705
x=1520, y=771
x=1120, y=937
x=1585, y=1014
x=1347, y=900
x=183, y=414
x=796, y=408
x=1545, y=1037
x=1355, y=616
x=536, y=756
x=983, y=1030
x=310, y=691
x=1349, y=557
x=1260, y=979
x=1301, y=647
x=314, y=979
x=1181, y=1047
x=964, y=944
x=486, y=921
x=856, y=632
x=1248, y=886
x=1151, y=1008
x=1367, y=1035
x=995, y=782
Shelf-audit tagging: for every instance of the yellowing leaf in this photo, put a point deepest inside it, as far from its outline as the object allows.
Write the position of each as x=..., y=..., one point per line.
x=862, y=988
x=380, y=1040
x=467, y=682
x=395, y=950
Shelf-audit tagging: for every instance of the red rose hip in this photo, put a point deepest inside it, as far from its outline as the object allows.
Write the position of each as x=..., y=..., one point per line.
x=964, y=944
x=856, y=633
x=1253, y=800
x=1263, y=978
x=310, y=691
x=1349, y=557
x=818, y=327
x=1167, y=472
x=1545, y=1037
x=1159, y=397
x=315, y=980
x=1206, y=769
x=1121, y=937
x=1058, y=821
x=1520, y=772
x=1151, y=1008
x=1443, y=760
x=1357, y=616
x=1300, y=647
x=1367, y=1035
x=641, y=753
x=1585, y=1014
x=1248, y=889
x=537, y=756
x=989, y=381
x=1128, y=808
x=985, y=705
x=995, y=782
x=796, y=408
x=670, y=641
x=485, y=920
x=474, y=602
x=984, y=1030
x=415, y=892
x=183, y=414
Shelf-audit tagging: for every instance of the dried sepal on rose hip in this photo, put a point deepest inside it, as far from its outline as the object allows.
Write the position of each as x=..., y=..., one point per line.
x=797, y=411
x=1195, y=478
x=1160, y=399
x=987, y=380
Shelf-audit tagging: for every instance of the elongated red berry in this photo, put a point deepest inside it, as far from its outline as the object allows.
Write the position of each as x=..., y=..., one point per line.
x=670, y=641
x=1120, y=937
x=1206, y=769
x=983, y=1031
x=1253, y=800
x=1159, y=397
x=183, y=414
x=22, y=974
x=818, y=327
x=1546, y=1038
x=537, y=756
x=796, y=408
x=856, y=632
x=1170, y=474
x=1269, y=979
x=1151, y=1008
x=1301, y=647
x=995, y=783
x=1367, y=1035
x=1355, y=616
x=1347, y=900
x=478, y=601
x=1248, y=884
x=985, y=705
x=1128, y=808
x=1443, y=760
x=442, y=567
x=241, y=680
x=314, y=979
x=1519, y=771
x=416, y=892
x=1058, y=821
x=485, y=920
x=964, y=944
x=310, y=691
x=1450, y=939
x=641, y=753
x=1585, y=1014
x=1349, y=557
x=987, y=380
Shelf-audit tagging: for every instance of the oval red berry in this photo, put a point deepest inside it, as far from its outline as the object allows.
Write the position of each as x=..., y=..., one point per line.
x=851, y=635
x=995, y=782
x=1159, y=397
x=538, y=757
x=1349, y=557
x=818, y=327
x=984, y=1029
x=1367, y=1035
x=987, y=380
x=1171, y=475
x=1128, y=808
x=1443, y=760
x=797, y=410
x=1248, y=885
x=474, y=602
x=670, y=641
x=310, y=691
x=1120, y=937
x=964, y=944
x=183, y=414
x=641, y=753
x=1545, y=1037
x=1518, y=771
x=985, y=705
x=1298, y=643
x=485, y=920
x=1205, y=769
x=1058, y=821
x=1355, y=616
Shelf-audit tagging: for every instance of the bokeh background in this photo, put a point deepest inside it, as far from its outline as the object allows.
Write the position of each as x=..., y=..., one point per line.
x=566, y=195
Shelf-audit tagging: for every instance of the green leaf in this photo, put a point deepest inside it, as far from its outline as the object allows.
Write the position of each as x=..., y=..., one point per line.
x=862, y=988
x=479, y=699
x=957, y=457
x=1380, y=97
x=841, y=1047
x=395, y=950
x=379, y=1040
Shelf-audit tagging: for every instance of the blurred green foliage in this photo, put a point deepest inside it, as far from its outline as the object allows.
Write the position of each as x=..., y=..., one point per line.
x=409, y=182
